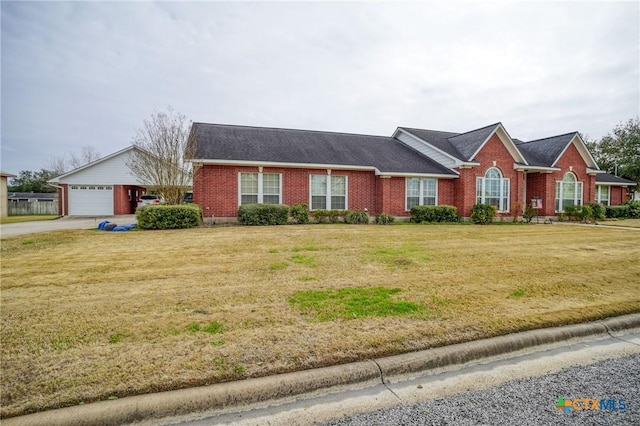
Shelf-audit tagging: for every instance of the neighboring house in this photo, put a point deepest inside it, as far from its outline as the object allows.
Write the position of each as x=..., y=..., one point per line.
x=104, y=187
x=33, y=203
x=4, y=176
x=33, y=197
x=236, y=165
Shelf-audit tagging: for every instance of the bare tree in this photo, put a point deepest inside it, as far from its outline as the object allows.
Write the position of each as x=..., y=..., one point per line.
x=163, y=144
x=61, y=164
x=88, y=154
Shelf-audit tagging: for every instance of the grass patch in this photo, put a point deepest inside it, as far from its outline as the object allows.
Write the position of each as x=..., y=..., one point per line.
x=350, y=303
x=86, y=315
x=30, y=218
x=400, y=255
x=303, y=260
x=516, y=294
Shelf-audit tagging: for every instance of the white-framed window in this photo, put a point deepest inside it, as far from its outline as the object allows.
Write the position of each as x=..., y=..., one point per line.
x=568, y=192
x=260, y=188
x=421, y=192
x=328, y=192
x=493, y=189
x=603, y=194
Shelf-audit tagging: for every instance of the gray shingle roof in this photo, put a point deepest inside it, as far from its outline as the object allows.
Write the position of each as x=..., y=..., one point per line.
x=255, y=144
x=544, y=152
x=609, y=178
x=459, y=145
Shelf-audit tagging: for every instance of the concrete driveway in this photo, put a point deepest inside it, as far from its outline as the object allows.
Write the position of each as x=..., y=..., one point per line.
x=23, y=228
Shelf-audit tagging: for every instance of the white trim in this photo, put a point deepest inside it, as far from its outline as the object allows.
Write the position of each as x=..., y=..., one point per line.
x=260, y=186
x=321, y=167
x=64, y=175
x=506, y=141
x=501, y=195
x=455, y=159
x=420, y=192
x=582, y=150
x=528, y=169
x=591, y=171
x=328, y=192
x=422, y=175
x=598, y=199
x=623, y=184
x=559, y=195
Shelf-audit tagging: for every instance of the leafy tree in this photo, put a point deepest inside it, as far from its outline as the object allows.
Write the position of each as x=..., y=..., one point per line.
x=29, y=181
x=159, y=161
x=619, y=150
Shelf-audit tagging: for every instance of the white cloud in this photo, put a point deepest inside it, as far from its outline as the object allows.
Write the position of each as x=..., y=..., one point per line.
x=76, y=74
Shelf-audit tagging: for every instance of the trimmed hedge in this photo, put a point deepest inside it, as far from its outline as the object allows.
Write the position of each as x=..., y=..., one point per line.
x=630, y=209
x=158, y=216
x=482, y=214
x=300, y=213
x=263, y=214
x=420, y=214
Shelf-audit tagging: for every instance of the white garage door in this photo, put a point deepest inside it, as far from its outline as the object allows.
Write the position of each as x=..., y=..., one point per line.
x=90, y=200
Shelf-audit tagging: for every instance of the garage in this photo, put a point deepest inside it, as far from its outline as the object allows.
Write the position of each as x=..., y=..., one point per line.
x=90, y=200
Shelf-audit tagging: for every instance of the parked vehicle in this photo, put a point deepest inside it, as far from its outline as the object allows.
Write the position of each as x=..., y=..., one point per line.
x=149, y=199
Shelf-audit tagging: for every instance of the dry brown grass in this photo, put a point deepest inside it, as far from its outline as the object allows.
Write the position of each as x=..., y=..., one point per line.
x=89, y=315
x=628, y=223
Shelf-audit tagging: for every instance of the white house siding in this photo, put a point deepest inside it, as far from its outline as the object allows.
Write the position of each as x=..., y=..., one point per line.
x=425, y=149
x=112, y=171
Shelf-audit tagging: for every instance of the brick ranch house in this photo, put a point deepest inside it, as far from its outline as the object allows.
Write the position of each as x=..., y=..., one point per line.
x=236, y=165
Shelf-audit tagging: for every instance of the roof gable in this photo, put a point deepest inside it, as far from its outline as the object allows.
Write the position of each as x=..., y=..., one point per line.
x=109, y=170
x=465, y=146
x=238, y=144
x=547, y=151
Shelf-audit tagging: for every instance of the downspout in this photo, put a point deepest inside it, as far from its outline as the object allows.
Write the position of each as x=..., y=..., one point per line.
x=59, y=187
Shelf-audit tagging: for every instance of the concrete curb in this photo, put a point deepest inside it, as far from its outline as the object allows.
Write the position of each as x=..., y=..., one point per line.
x=225, y=395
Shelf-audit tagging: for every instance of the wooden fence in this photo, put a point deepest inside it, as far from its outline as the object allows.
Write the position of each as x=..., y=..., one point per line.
x=26, y=208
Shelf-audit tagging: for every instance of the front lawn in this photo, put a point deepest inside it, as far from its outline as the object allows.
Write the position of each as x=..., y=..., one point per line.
x=30, y=218
x=89, y=315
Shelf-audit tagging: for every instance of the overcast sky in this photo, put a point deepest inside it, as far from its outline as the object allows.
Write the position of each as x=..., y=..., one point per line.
x=80, y=73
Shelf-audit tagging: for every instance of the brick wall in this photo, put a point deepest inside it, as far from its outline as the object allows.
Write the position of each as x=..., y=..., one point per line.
x=493, y=154
x=216, y=187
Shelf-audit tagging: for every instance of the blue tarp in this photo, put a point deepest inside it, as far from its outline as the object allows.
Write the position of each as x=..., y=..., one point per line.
x=108, y=226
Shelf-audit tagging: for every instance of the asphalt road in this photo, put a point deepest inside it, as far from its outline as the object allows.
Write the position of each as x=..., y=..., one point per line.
x=605, y=393
x=519, y=389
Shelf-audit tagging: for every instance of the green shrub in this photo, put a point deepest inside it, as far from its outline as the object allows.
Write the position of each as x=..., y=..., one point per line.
x=482, y=213
x=585, y=213
x=300, y=213
x=327, y=216
x=529, y=213
x=617, y=211
x=158, y=216
x=420, y=214
x=356, y=217
x=572, y=212
x=385, y=219
x=263, y=214
x=633, y=209
x=598, y=211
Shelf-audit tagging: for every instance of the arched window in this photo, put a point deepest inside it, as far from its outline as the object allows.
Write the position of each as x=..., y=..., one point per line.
x=493, y=189
x=568, y=192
